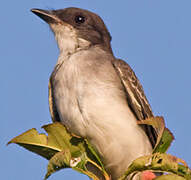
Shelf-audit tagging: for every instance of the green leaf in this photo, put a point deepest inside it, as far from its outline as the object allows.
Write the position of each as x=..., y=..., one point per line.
x=165, y=137
x=164, y=142
x=59, y=161
x=170, y=177
x=159, y=162
x=64, y=139
x=63, y=149
x=82, y=164
x=37, y=143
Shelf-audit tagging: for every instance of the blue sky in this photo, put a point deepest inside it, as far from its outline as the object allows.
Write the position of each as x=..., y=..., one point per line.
x=154, y=37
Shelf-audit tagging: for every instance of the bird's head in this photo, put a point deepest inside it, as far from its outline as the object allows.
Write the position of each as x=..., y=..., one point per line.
x=75, y=28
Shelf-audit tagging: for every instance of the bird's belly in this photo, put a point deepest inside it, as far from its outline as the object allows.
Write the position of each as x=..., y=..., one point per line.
x=113, y=129
x=98, y=111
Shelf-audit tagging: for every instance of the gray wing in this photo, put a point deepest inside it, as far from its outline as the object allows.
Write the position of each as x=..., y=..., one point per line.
x=52, y=106
x=135, y=96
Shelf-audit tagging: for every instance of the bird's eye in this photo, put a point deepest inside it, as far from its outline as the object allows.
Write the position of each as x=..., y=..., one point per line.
x=79, y=19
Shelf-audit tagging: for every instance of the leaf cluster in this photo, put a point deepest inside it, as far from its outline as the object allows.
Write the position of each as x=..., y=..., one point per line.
x=66, y=150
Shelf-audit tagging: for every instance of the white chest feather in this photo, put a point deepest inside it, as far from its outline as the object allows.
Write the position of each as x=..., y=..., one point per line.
x=91, y=103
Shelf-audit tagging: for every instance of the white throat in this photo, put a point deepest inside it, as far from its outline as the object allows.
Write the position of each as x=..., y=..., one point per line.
x=67, y=40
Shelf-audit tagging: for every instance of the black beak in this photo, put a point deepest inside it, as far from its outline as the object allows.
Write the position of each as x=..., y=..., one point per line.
x=46, y=15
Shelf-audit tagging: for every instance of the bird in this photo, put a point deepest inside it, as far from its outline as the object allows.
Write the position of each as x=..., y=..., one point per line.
x=94, y=94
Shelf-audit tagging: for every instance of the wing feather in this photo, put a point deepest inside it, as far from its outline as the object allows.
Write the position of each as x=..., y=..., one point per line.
x=52, y=106
x=135, y=96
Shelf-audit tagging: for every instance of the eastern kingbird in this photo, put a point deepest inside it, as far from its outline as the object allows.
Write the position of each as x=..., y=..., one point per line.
x=94, y=94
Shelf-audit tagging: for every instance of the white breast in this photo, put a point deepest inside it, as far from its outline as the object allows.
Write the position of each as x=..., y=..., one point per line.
x=91, y=103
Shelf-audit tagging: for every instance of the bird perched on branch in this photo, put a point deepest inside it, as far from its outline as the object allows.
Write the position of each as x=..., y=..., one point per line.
x=94, y=94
